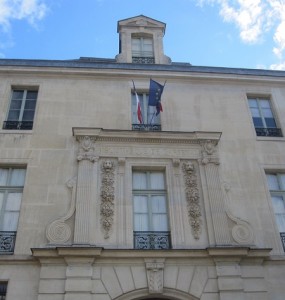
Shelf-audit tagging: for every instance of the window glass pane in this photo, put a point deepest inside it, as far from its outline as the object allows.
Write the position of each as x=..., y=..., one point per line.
x=278, y=204
x=14, y=115
x=270, y=123
x=267, y=113
x=255, y=112
x=141, y=222
x=32, y=95
x=13, y=202
x=159, y=222
x=158, y=204
x=18, y=177
x=10, y=221
x=272, y=182
x=282, y=181
x=30, y=104
x=156, y=181
x=264, y=103
x=1, y=200
x=28, y=115
x=139, y=181
x=280, y=220
x=140, y=204
x=3, y=176
x=18, y=94
x=16, y=104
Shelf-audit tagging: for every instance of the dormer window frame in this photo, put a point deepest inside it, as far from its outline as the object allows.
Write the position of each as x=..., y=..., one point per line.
x=142, y=54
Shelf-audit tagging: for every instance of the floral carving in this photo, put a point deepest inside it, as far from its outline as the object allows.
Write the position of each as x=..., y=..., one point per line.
x=107, y=197
x=155, y=272
x=209, y=153
x=192, y=197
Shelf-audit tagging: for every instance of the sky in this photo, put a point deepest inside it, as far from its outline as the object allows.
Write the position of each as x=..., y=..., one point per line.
x=218, y=33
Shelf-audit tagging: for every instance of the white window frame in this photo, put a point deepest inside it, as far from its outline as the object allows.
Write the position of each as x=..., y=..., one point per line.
x=141, y=52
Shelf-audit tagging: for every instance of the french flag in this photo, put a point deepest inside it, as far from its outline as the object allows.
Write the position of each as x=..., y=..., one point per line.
x=139, y=111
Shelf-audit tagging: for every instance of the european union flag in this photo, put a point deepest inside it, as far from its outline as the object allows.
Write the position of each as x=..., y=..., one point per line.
x=154, y=97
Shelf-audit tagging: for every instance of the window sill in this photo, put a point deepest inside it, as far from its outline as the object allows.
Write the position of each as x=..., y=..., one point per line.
x=270, y=138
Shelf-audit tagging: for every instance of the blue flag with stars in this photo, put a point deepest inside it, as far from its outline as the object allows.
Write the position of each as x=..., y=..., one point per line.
x=154, y=98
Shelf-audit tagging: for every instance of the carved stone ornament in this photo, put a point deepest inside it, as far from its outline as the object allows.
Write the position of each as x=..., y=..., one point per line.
x=107, y=197
x=242, y=231
x=192, y=198
x=58, y=231
x=209, y=153
x=86, y=148
x=155, y=271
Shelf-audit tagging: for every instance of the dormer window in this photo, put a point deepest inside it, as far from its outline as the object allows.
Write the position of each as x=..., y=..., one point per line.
x=142, y=50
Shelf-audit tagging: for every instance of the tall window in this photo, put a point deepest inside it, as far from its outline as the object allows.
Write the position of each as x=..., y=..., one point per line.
x=22, y=109
x=11, y=189
x=142, y=50
x=151, y=121
x=3, y=290
x=151, y=229
x=262, y=116
x=276, y=183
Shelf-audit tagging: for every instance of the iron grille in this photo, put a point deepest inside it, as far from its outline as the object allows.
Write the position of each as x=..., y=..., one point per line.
x=19, y=125
x=274, y=132
x=152, y=240
x=143, y=60
x=282, y=235
x=7, y=241
x=146, y=127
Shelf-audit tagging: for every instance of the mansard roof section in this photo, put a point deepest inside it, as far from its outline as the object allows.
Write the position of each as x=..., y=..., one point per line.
x=141, y=21
x=105, y=65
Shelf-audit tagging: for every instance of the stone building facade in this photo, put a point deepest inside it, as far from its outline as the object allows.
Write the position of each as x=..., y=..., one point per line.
x=188, y=204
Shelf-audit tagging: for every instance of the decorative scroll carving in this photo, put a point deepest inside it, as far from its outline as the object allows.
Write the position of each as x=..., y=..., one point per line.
x=86, y=148
x=209, y=153
x=58, y=231
x=155, y=271
x=242, y=232
x=107, y=197
x=192, y=197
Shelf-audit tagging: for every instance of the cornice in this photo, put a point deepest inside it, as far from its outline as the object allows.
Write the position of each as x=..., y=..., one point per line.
x=150, y=137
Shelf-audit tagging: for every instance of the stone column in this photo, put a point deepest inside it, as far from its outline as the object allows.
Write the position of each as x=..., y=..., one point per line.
x=84, y=191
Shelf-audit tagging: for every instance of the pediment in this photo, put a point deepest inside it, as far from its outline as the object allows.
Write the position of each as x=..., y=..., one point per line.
x=141, y=21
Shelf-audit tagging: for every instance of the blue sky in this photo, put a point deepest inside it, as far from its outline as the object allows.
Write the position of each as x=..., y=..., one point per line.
x=225, y=33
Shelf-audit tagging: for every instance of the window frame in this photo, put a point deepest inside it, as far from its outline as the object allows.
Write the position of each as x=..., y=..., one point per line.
x=148, y=112
x=141, y=55
x=151, y=238
x=19, y=123
x=265, y=130
x=9, y=236
x=280, y=192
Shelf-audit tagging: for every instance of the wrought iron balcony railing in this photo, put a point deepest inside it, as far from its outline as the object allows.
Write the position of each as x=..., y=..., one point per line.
x=143, y=60
x=146, y=127
x=7, y=242
x=274, y=132
x=152, y=240
x=282, y=235
x=18, y=125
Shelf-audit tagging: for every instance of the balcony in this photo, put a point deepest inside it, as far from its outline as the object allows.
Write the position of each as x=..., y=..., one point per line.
x=273, y=132
x=7, y=242
x=282, y=235
x=3, y=290
x=18, y=125
x=146, y=127
x=152, y=240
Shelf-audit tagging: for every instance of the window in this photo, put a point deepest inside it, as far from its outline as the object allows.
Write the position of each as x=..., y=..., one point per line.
x=142, y=50
x=262, y=116
x=151, y=121
x=22, y=109
x=151, y=229
x=276, y=184
x=11, y=189
x=3, y=290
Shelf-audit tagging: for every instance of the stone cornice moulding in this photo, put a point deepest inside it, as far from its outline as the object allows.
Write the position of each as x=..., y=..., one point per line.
x=150, y=137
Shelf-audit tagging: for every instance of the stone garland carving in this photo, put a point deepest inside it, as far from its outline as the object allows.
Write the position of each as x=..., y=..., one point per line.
x=86, y=148
x=155, y=271
x=242, y=232
x=107, y=197
x=58, y=231
x=209, y=153
x=192, y=197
